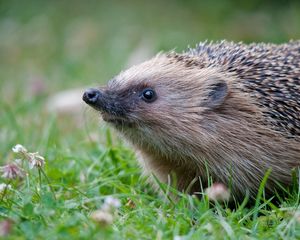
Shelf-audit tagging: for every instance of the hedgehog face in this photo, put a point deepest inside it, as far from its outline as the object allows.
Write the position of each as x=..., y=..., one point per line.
x=151, y=101
x=123, y=107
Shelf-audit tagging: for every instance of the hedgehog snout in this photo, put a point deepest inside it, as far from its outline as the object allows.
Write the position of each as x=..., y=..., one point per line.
x=103, y=102
x=95, y=98
x=91, y=96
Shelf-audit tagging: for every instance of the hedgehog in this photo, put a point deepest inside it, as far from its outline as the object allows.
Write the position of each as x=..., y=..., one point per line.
x=224, y=112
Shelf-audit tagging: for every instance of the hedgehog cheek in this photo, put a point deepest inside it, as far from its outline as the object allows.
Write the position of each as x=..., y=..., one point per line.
x=214, y=93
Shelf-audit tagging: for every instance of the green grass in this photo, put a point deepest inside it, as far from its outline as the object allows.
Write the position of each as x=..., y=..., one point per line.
x=63, y=45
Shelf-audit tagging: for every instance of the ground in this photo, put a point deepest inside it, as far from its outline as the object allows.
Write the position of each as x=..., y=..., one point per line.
x=51, y=46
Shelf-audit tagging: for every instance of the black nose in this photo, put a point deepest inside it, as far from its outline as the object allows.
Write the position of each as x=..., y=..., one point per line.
x=91, y=95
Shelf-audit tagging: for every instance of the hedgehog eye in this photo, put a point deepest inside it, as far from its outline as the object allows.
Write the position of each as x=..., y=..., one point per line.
x=148, y=95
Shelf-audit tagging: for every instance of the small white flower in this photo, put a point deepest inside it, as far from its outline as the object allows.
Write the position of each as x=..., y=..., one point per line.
x=218, y=192
x=114, y=202
x=19, y=149
x=102, y=217
x=111, y=203
x=11, y=171
x=35, y=160
x=4, y=186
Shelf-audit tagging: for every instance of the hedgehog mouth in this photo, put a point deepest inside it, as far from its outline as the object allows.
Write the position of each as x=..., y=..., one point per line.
x=117, y=121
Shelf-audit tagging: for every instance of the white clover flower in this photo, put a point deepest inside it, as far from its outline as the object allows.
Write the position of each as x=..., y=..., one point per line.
x=19, y=149
x=114, y=202
x=111, y=203
x=4, y=186
x=35, y=160
x=103, y=218
x=218, y=192
x=11, y=171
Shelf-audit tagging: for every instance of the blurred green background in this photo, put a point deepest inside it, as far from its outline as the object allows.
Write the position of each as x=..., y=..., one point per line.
x=75, y=43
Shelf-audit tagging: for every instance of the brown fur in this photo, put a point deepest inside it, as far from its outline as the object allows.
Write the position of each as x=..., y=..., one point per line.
x=235, y=137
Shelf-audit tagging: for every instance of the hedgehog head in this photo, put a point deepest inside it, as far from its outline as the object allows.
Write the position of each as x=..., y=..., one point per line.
x=162, y=101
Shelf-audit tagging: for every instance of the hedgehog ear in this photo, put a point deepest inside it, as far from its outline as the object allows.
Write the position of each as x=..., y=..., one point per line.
x=215, y=93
